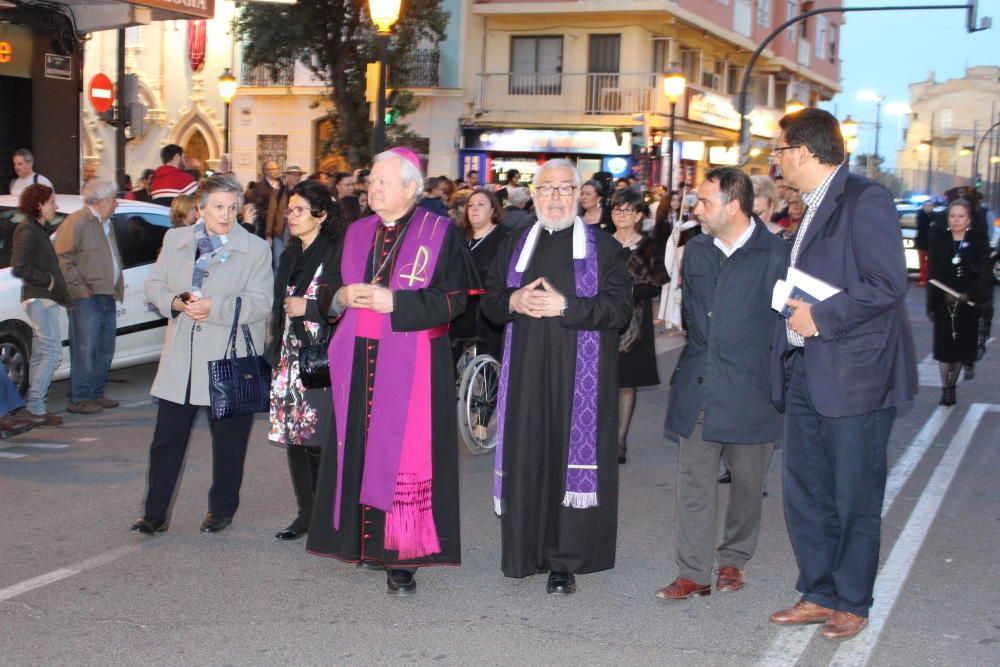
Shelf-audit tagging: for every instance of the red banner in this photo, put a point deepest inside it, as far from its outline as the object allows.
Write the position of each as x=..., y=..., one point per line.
x=196, y=43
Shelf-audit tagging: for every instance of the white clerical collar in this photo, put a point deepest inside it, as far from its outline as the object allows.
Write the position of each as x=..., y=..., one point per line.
x=740, y=242
x=579, y=243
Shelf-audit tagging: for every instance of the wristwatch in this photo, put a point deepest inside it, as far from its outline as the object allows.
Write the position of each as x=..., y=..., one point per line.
x=562, y=311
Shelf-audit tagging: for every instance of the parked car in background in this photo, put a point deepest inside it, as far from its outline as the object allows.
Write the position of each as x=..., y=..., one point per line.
x=139, y=228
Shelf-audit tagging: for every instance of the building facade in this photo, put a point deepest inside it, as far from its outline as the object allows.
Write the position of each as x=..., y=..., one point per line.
x=583, y=79
x=946, y=142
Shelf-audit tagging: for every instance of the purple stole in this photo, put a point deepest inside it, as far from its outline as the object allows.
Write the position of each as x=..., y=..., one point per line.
x=398, y=472
x=581, y=466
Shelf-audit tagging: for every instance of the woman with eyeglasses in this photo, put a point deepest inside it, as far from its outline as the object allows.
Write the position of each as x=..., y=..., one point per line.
x=302, y=417
x=636, y=351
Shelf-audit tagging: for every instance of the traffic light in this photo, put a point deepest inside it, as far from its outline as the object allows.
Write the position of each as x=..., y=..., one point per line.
x=391, y=112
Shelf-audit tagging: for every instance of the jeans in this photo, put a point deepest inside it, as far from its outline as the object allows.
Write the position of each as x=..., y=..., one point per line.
x=46, y=352
x=91, y=346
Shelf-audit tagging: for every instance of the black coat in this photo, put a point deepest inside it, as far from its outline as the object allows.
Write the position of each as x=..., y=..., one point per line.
x=724, y=367
x=34, y=261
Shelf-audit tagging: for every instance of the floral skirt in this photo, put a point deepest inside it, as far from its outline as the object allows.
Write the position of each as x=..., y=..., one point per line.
x=299, y=416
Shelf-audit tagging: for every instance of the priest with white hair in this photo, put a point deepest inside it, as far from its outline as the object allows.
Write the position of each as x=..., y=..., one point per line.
x=387, y=494
x=563, y=294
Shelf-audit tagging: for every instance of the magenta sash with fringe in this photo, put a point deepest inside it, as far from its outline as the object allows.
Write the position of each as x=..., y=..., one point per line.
x=398, y=472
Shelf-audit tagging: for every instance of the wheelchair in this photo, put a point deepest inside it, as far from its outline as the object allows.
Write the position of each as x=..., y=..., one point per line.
x=478, y=378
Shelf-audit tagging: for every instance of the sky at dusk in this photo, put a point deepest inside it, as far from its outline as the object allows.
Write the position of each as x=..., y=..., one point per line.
x=886, y=51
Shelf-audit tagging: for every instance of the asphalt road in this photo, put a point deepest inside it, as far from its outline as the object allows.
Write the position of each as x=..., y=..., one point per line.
x=77, y=588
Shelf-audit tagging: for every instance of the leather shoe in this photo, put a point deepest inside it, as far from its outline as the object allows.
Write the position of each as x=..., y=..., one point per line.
x=10, y=425
x=148, y=527
x=730, y=579
x=369, y=566
x=843, y=624
x=682, y=589
x=802, y=612
x=215, y=524
x=561, y=582
x=83, y=407
x=27, y=416
x=106, y=402
x=400, y=583
x=297, y=529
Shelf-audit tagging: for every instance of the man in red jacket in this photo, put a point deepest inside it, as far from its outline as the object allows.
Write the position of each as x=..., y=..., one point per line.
x=170, y=180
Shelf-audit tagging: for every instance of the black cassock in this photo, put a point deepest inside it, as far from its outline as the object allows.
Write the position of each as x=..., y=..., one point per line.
x=362, y=529
x=537, y=531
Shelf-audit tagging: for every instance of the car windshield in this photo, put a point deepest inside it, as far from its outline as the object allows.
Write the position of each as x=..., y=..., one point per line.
x=9, y=219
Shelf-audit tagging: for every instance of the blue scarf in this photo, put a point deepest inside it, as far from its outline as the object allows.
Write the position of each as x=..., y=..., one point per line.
x=209, y=246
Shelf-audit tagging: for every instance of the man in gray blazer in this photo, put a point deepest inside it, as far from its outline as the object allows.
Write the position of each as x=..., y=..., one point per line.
x=719, y=400
x=89, y=259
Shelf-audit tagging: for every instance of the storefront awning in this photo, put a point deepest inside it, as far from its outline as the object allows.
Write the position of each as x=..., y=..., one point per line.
x=95, y=15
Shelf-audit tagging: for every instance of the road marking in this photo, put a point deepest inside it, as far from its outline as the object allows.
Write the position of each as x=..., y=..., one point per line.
x=65, y=572
x=86, y=439
x=43, y=445
x=138, y=404
x=9, y=455
x=897, y=567
x=791, y=641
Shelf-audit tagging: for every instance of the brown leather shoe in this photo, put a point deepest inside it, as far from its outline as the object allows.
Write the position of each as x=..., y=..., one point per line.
x=730, y=579
x=843, y=624
x=83, y=407
x=106, y=402
x=802, y=612
x=682, y=589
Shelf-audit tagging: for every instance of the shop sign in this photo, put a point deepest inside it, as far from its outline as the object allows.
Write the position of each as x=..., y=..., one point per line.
x=728, y=156
x=15, y=50
x=204, y=9
x=705, y=106
x=692, y=150
x=555, y=141
x=58, y=67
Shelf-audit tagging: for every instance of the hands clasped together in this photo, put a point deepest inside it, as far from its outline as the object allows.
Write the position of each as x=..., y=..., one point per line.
x=534, y=302
x=197, y=308
x=365, y=295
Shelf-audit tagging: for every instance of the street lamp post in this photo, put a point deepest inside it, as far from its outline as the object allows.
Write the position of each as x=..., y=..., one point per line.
x=227, y=91
x=872, y=96
x=673, y=85
x=384, y=15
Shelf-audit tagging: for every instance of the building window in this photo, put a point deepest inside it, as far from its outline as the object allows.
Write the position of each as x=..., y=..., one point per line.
x=764, y=13
x=821, y=37
x=734, y=77
x=691, y=64
x=535, y=65
x=790, y=30
x=833, y=43
x=947, y=119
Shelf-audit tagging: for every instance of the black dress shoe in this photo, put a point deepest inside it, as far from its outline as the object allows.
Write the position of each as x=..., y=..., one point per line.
x=215, y=524
x=147, y=526
x=400, y=583
x=297, y=529
x=561, y=582
x=369, y=566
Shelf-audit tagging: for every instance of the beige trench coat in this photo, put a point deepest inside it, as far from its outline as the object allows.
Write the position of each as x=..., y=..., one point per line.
x=190, y=345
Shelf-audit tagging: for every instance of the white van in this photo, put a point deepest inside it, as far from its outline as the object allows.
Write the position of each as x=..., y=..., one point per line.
x=139, y=227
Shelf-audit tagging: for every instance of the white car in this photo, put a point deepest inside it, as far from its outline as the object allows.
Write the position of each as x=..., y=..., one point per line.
x=139, y=227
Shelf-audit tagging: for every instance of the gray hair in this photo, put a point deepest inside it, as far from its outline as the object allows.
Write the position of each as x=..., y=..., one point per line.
x=25, y=155
x=554, y=164
x=408, y=171
x=518, y=197
x=219, y=183
x=764, y=187
x=98, y=189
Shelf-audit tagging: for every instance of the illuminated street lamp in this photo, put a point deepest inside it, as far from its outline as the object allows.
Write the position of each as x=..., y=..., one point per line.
x=849, y=130
x=674, y=84
x=794, y=106
x=384, y=15
x=227, y=91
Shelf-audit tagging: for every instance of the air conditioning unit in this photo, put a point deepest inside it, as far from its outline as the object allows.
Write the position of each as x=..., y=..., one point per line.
x=710, y=80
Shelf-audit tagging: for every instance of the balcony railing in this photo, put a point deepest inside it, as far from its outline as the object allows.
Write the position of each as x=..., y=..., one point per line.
x=424, y=69
x=264, y=76
x=626, y=93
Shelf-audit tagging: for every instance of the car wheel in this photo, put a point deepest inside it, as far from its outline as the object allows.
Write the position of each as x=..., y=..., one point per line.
x=15, y=357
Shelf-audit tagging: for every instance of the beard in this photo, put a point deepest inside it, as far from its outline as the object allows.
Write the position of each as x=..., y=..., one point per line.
x=560, y=222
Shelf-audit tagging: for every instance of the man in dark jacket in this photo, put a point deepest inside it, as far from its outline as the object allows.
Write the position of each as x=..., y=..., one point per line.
x=839, y=369
x=719, y=398
x=261, y=193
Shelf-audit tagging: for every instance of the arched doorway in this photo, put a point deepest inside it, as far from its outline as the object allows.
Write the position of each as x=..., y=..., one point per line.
x=196, y=148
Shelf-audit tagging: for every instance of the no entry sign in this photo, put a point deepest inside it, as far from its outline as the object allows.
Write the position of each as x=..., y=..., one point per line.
x=101, y=93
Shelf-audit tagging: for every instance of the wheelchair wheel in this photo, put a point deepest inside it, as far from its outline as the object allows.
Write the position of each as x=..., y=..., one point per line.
x=477, y=404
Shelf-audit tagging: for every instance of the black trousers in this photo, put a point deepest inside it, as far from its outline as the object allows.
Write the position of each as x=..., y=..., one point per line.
x=166, y=457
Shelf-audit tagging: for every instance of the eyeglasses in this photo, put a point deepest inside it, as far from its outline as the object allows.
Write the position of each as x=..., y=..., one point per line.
x=295, y=211
x=547, y=190
x=623, y=211
x=777, y=151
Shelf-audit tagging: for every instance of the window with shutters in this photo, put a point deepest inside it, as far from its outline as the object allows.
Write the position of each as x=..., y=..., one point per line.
x=764, y=13
x=821, y=37
x=536, y=65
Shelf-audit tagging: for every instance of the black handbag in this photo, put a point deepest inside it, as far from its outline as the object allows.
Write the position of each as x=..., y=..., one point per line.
x=239, y=385
x=314, y=366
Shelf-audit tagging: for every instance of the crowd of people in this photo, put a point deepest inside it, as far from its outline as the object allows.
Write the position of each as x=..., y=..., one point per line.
x=389, y=274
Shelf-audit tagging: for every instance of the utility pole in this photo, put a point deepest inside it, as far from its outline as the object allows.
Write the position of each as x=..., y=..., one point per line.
x=122, y=111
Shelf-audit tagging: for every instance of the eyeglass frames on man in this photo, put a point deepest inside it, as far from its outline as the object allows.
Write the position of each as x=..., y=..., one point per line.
x=564, y=190
x=776, y=151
